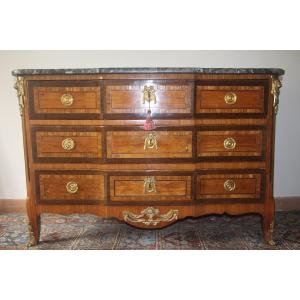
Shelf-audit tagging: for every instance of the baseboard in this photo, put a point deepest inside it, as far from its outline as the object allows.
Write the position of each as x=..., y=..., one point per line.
x=287, y=203
x=12, y=205
x=19, y=205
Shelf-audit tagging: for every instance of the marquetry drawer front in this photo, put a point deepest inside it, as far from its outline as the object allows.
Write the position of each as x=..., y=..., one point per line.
x=230, y=99
x=50, y=144
x=69, y=188
x=135, y=97
x=229, y=186
x=230, y=143
x=63, y=100
x=145, y=144
x=146, y=187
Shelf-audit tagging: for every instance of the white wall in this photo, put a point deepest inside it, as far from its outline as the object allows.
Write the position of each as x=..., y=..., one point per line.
x=287, y=162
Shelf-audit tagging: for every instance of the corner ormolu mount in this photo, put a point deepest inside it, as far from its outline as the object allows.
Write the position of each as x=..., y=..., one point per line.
x=276, y=85
x=19, y=86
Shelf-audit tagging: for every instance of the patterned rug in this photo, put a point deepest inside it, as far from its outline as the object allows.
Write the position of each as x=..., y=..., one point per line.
x=90, y=232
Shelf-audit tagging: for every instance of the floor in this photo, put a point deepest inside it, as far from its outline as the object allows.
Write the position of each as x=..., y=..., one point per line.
x=76, y=232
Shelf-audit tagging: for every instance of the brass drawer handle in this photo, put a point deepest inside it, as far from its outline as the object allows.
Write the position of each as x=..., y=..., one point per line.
x=229, y=143
x=67, y=99
x=229, y=185
x=230, y=98
x=149, y=94
x=149, y=185
x=150, y=216
x=150, y=141
x=68, y=144
x=72, y=187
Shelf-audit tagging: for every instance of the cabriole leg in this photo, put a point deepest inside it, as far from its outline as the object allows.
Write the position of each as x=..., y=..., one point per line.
x=268, y=228
x=34, y=225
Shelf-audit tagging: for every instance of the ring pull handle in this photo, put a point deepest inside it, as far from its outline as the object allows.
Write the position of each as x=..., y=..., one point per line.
x=230, y=98
x=229, y=143
x=72, y=187
x=150, y=141
x=149, y=185
x=229, y=185
x=68, y=144
x=149, y=94
x=67, y=99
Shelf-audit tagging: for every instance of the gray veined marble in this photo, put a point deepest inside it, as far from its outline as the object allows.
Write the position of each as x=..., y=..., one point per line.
x=272, y=71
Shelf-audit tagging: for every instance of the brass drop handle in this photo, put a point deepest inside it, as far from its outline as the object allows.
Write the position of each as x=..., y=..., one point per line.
x=72, y=187
x=149, y=94
x=229, y=143
x=229, y=185
x=149, y=185
x=68, y=144
x=67, y=99
x=230, y=98
x=150, y=141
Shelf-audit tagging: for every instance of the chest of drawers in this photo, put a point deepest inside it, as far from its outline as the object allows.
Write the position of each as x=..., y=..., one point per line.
x=210, y=152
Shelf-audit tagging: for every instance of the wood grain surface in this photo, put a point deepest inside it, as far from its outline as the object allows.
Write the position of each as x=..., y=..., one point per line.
x=110, y=161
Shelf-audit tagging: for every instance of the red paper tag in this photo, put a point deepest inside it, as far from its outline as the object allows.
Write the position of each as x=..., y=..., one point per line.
x=149, y=123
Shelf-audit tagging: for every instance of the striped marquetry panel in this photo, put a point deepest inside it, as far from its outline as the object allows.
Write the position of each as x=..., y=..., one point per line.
x=170, y=98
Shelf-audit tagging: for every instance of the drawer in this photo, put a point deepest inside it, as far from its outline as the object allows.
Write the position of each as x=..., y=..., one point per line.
x=70, y=187
x=150, y=187
x=230, y=143
x=64, y=100
x=231, y=99
x=66, y=144
x=229, y=186
x=134, y=97
x=138, y=144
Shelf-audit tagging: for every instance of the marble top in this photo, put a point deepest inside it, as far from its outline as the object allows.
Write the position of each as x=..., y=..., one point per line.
x=22, y=72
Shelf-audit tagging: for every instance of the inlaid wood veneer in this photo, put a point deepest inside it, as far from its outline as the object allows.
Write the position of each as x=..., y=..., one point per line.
x=211, y=150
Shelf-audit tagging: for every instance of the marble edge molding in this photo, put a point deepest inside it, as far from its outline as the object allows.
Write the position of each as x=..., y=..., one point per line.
x=83, y=71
